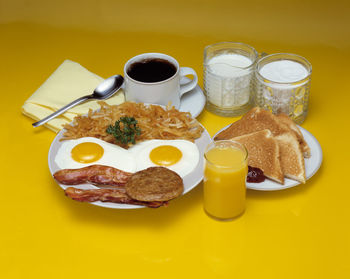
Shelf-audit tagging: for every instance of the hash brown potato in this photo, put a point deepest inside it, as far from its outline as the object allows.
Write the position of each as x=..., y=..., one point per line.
x=155, y=122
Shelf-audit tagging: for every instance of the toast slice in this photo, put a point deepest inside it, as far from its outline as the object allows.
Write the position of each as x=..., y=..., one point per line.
x=256, y=119
x=263, y=153
x=290, y=123
x=291, y=156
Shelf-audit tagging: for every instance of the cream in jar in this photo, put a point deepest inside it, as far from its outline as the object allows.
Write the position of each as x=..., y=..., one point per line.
x=228, y=79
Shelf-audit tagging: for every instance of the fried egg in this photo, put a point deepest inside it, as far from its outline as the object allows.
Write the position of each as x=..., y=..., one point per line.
x=87, y=151
x=180, y=156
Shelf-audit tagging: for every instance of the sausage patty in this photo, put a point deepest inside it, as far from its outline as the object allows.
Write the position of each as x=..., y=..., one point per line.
x=154, y=184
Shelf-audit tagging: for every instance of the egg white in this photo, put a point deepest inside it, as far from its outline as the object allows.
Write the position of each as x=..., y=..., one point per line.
x=190, y=155
x=113, y=156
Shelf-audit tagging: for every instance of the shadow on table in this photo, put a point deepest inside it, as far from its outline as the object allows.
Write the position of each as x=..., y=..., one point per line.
x=300, y=189
x=163, y=216
x=150, y=217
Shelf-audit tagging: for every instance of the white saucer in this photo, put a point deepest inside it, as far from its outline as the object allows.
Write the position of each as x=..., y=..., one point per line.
x=192, y=101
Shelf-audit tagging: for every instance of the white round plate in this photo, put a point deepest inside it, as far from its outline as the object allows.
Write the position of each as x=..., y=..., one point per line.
x=312, y=165
x=190, y=181
x=192, y=101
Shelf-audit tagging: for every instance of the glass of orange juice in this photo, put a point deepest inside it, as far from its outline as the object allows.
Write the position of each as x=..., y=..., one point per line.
x=225, y=179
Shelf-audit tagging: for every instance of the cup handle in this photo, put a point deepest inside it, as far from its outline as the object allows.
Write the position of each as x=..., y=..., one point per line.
x=184, y=71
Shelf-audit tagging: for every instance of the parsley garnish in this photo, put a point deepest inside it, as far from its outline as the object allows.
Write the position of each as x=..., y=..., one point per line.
x=127, y=133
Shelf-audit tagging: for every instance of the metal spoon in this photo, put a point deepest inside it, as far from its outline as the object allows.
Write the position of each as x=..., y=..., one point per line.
x=104, y=90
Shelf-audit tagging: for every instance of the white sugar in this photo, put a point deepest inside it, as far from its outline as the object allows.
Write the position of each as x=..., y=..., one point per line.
x=284, y=71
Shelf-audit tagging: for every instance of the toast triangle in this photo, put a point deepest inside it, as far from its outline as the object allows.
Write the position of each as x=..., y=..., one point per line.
x=263, y=153
x=291, y=154
x=290, y=123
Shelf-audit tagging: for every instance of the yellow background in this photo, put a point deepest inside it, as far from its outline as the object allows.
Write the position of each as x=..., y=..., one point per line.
x=302, y=232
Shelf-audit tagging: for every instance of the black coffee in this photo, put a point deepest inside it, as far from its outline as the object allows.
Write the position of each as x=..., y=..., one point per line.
x=151, y=70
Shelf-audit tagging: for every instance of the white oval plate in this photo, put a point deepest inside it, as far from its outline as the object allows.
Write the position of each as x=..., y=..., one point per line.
x=190, y=181
x=312, y=165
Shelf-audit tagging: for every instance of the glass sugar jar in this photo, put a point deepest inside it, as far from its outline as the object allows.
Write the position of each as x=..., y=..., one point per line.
x=282, y=85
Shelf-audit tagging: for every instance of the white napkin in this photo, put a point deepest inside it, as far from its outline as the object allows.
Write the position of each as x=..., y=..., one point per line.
x=70, y=81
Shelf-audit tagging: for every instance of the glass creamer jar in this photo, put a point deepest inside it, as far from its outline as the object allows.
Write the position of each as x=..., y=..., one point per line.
x=282, y=85
x=228, y=73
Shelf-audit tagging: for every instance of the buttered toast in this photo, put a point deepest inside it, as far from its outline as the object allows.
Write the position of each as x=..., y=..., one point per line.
x=292, y=145
x=254, y=120
x=291, y=157
x=290, y=123
x=263, y=153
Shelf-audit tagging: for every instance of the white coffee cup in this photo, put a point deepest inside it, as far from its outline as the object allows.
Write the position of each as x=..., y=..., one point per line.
x=160, y=92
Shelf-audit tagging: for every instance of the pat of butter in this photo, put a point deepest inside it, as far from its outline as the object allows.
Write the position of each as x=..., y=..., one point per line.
x=70, y=81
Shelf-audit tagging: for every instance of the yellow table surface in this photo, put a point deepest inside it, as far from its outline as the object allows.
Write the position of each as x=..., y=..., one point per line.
x=302, y=232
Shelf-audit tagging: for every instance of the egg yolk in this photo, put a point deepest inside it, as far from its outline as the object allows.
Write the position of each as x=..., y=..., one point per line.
x=165, y=155
x=87, y=152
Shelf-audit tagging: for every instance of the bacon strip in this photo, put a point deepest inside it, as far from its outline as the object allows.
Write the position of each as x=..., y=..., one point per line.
x=117, y=195
x=94, y=174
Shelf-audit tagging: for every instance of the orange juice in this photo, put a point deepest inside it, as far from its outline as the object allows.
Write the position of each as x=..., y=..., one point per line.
x=224, y=179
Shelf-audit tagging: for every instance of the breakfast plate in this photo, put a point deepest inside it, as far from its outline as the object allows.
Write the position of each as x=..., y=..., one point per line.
x=190, y=180
x=192, y=101
x=312, y=165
